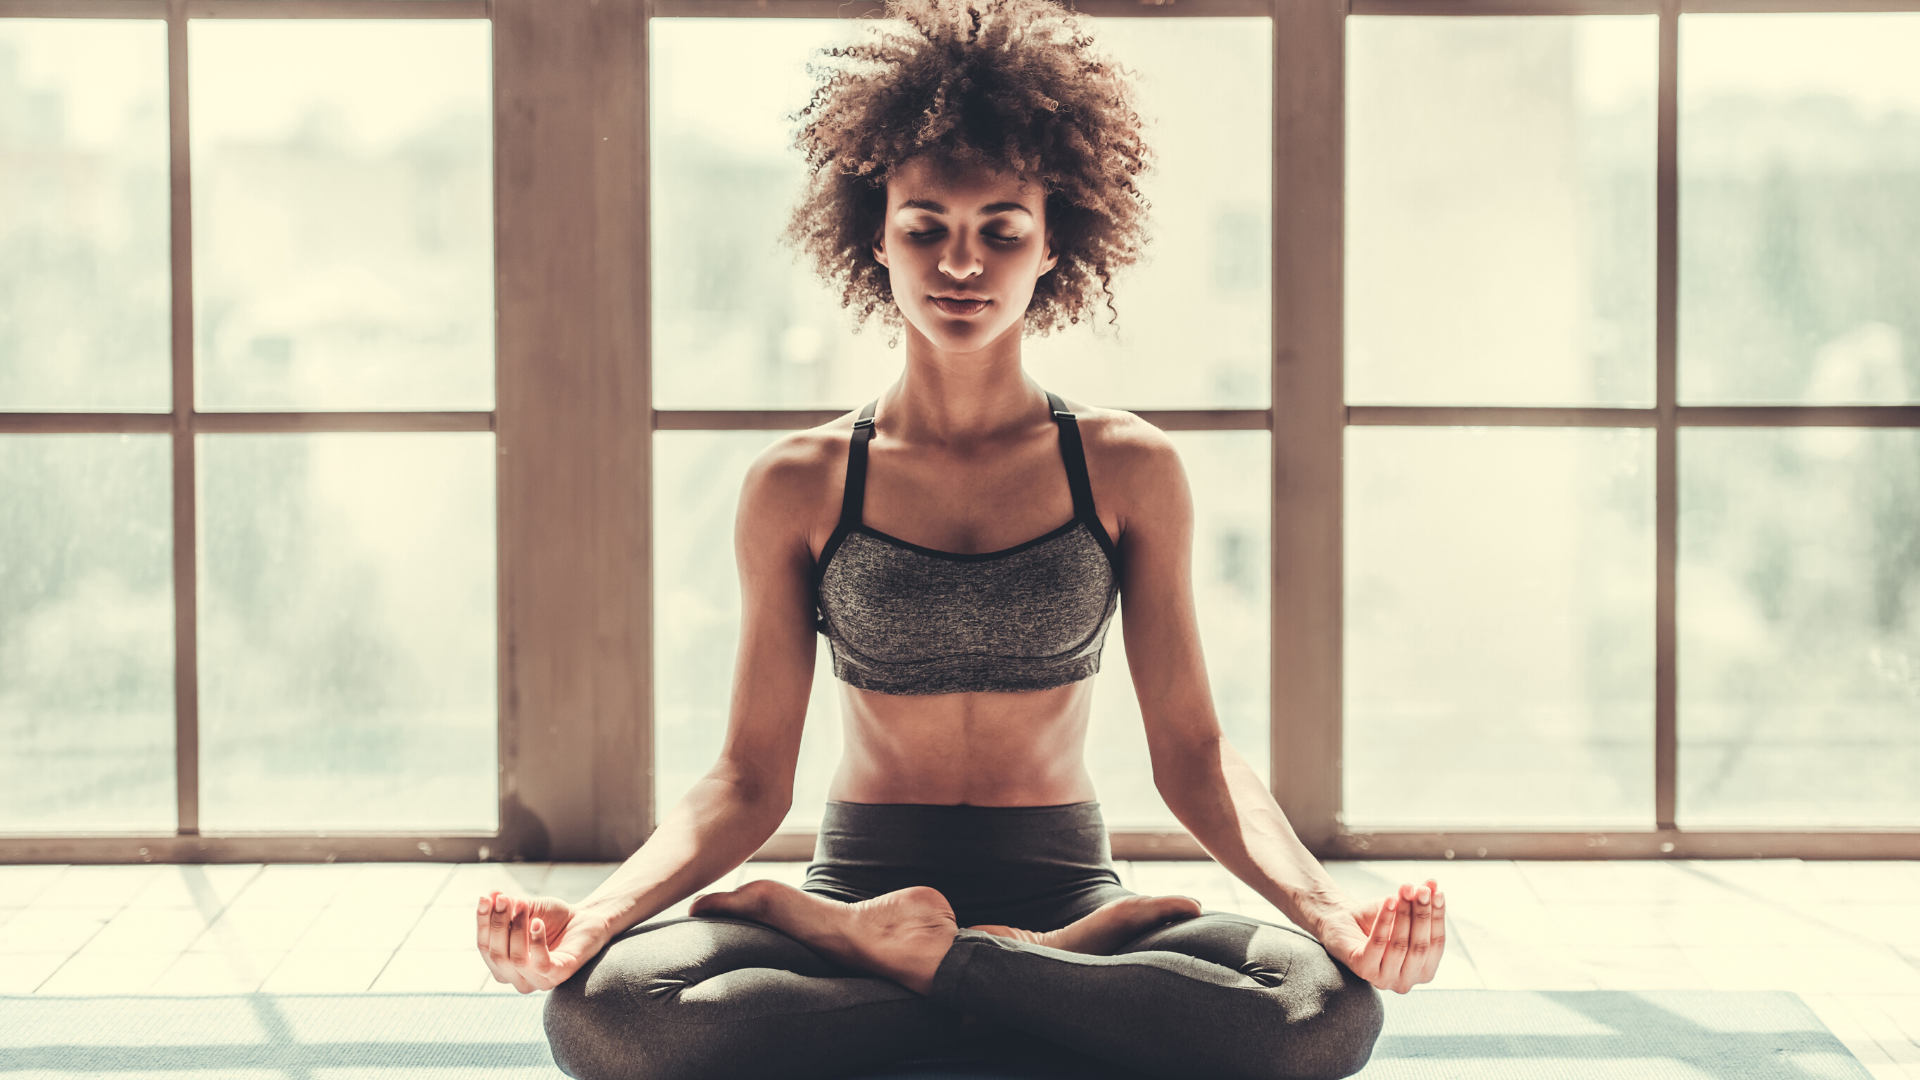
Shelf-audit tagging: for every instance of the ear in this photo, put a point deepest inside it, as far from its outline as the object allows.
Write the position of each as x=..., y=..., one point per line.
x=880, y=247
x=1051, y=258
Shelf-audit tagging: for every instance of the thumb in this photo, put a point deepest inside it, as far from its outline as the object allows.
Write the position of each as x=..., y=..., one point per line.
x=1344, y=939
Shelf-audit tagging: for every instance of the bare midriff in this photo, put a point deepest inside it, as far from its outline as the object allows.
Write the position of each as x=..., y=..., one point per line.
x=974, y=749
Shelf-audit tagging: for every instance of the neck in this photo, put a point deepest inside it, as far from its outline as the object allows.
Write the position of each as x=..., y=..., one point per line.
x=958, y=399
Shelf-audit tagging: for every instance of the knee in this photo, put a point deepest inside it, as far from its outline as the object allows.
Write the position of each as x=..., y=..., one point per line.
x=606, y=1023
x=615, y=1019
x=1336, y=1020
x=590, y=1024
x=1351, y=1020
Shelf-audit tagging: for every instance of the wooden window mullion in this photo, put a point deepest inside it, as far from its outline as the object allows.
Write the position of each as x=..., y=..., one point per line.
x=186, y=674
x=1666, y=485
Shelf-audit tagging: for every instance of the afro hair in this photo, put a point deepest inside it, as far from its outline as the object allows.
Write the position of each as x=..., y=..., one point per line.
x=1011, y=85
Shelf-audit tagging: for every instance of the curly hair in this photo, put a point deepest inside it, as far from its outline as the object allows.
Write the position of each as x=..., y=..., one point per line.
x=1012, y=85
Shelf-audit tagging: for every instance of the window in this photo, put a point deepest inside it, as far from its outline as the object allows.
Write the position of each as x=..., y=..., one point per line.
x=249, y=545
x=1799, y=580
x=1553, y=430
x=1631, y=476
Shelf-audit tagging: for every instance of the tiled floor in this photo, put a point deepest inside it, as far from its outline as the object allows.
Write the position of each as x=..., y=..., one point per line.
x=1846, y=936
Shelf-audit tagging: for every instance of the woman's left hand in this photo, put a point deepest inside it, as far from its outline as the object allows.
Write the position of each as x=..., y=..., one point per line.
x=1394, y=944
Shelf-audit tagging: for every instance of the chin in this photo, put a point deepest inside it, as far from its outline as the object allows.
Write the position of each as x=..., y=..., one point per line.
x=965, y=338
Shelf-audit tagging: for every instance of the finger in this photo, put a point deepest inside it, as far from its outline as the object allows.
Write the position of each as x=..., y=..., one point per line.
x=480, y=920
x=517, y=936
x=1367, y=965
x=483, y=923
x=1394, y=962
x=538, y=958
x=1439, y=923
x=522, y=984
x=1419, y=966
x=497, y=919
x=497, y=922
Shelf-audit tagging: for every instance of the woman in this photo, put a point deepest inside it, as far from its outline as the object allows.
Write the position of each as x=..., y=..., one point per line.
x=973, y=172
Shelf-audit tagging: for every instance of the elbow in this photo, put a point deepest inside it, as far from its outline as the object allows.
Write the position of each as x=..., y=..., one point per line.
x=763, y=794
x=1192, y=781
x=1187, y=766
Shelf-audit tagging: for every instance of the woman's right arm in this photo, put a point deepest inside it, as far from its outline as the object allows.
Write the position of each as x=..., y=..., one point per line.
x=536, y=944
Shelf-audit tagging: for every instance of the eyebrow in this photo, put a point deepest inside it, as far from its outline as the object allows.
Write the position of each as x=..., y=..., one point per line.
x=992, y=208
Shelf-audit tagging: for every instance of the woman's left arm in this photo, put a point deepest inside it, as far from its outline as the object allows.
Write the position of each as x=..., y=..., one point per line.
x=1395, y=943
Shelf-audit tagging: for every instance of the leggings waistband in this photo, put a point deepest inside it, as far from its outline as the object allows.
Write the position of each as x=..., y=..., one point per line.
x=981, y=857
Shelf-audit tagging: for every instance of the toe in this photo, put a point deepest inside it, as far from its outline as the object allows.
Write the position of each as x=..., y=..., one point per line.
x=1184, y=907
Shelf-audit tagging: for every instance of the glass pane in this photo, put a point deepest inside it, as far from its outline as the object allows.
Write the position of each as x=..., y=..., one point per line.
x=1799, y=650
x=1500, y=210
x=1232, y=527
x=1499, y=627
x=86, y=633
x=697, y=623
x=1800, y=208
x=85, y=285
x=738, y=322
x=347, y=632
x=342, y=214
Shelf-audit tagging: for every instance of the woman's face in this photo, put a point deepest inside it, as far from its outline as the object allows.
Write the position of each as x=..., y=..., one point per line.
x=963, y=248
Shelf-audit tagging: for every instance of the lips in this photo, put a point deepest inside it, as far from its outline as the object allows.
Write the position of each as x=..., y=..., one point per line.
x=959, y=307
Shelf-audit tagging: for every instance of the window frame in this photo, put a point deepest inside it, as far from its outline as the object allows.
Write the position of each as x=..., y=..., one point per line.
x=574, y=421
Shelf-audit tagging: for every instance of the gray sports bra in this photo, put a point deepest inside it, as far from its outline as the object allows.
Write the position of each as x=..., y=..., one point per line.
x=904, y=619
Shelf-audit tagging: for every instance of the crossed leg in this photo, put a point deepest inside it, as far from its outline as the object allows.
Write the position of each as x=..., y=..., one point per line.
x=904, y=935
x=1218, y=996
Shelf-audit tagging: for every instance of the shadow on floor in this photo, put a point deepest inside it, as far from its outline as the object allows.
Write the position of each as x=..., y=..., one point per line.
x=1430, y=1035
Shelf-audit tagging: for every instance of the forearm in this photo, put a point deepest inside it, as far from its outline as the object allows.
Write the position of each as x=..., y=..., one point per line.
x=714, y=828
x=1224, y=804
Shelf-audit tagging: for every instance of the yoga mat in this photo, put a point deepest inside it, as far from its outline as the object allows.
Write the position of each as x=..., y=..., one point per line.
x=1430, y=1035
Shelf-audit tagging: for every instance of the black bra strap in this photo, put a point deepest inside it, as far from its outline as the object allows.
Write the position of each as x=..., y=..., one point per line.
x=855, y=497
x=1075, y=456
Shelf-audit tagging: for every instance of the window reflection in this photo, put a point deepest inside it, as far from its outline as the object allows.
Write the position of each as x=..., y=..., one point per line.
x=1800, y=208
x=85, y=292
x=86, y=633
x=343, y=214
x=1500, y=210
x=347, y=632
x=1499, y=627
x=1799, y=619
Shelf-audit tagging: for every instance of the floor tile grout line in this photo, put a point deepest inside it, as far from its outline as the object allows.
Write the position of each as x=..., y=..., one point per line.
x=1871, y=1023
x=260, y=870
x=28, y=901
x=1524, y=877
x=1767, y=901
x=398, y=945
x=1909, y=1042
x=486, y=974
x=61, y=966
x=445, y=880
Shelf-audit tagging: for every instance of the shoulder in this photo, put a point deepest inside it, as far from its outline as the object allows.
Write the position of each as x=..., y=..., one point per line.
x=798, y=474
x=1135, y=472
x=1126, y=450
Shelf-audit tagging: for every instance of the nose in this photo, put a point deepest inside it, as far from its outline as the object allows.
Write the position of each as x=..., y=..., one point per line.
x=960, y=259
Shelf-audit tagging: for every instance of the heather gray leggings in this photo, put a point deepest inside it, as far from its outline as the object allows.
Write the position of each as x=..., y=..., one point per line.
x=1218, y=997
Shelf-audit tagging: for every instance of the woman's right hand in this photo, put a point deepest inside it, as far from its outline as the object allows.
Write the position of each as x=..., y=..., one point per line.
x=535, y=943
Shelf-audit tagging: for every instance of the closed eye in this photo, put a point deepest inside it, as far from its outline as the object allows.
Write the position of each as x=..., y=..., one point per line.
x=913, y=234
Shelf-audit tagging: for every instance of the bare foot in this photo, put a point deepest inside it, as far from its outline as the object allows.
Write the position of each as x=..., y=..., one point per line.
x=1110, y=926
x=901, y=935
